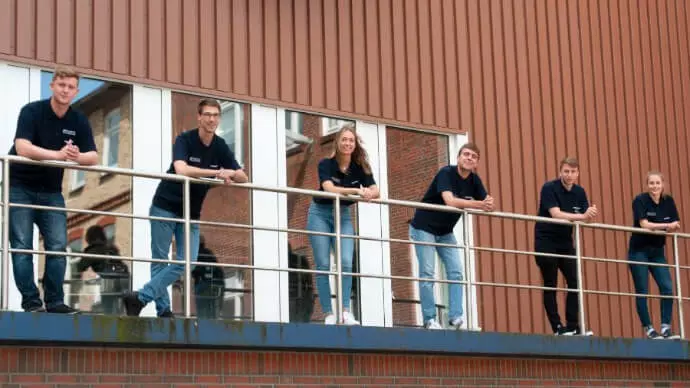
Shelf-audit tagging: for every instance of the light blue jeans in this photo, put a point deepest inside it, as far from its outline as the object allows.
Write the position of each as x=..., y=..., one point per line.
x=321, y=219
x=454, y=271
x=163, y=274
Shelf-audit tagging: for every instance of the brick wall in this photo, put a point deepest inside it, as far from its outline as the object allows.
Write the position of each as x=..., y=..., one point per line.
x=50, y=367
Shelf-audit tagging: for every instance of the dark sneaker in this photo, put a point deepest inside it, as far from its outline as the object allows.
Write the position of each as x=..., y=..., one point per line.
x=668, y=334
x=562, y=330
x=133, y=305
x=653, y=334
x=167, y=314
x=571, y=331
x=35, y=309
x=62, y=309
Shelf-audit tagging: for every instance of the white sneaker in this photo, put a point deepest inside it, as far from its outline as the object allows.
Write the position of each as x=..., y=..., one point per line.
x=330, y=319
x=431, y=324
x=349, y=319
x=456, y=324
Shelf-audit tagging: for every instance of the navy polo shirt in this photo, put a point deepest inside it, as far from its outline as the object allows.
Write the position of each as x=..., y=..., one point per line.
x=554, y=194
x=39, y=124
x=189, y=148
x=354, y=177
x=644, y=208
x=447, y=179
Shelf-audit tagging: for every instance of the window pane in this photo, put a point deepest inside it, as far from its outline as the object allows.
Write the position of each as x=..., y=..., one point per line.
x=113, y=147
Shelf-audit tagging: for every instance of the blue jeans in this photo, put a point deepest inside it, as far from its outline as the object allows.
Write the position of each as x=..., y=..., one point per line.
x=53, y=227
x=661, y=275
x=163, y=274
x=321, y=219
x=454, y=271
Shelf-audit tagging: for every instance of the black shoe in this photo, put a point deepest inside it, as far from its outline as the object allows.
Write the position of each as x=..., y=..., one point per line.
x=167, y=314
x=133, y=305
x=62, y=309
x=571, y=331
x=668, y=334
x=652, y=334
x=35, y=309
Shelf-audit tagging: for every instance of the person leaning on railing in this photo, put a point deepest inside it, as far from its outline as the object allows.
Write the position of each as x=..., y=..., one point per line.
x=564, y=199
x=46, y=130
x=347, y=172
x=197, y=153
x=457, y=186
x=653, y=210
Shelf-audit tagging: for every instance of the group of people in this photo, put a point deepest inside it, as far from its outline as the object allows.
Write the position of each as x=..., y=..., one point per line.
x=51, y=130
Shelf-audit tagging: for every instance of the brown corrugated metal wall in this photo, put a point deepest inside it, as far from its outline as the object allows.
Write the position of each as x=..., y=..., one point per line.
x=531, y=81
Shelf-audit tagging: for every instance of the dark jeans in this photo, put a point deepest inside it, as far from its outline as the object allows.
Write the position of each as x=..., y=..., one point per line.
x=549, y=267
x=661, y=275
x=53, y=227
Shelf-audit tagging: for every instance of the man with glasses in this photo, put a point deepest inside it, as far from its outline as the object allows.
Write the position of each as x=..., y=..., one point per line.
x=457, y=186
x=197, y=153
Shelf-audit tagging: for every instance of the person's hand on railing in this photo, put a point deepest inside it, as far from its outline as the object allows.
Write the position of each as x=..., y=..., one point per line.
x=226, y=175
x=488, y=204
x=673, y=226
x=590, y=213
x=367, y=193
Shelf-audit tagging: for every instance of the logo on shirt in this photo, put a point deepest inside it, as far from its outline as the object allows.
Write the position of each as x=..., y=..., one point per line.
x=667, y=218
x=355, y=182
x=214, y=166
x=194, y=159
x=469, y=198
x=69, y=132
x=576, y=209
x=651, y=214
x=335, y=180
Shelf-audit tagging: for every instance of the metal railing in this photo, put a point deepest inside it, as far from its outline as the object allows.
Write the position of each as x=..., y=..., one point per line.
x=338, y=273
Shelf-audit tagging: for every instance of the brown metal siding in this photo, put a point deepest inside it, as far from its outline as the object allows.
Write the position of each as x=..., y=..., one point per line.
x=531, y=80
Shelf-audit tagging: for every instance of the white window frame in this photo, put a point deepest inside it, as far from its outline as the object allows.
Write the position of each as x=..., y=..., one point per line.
x=107, y=132
x=234, y=281
x=294, y=130
x=332, y=125
x=227, y=106
x=77, y=179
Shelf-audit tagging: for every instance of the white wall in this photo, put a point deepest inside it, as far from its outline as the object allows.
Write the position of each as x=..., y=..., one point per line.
x=21, y=85
x=151, y=152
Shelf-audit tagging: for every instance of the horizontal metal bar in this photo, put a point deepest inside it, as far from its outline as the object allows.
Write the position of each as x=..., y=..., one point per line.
x=93, y=212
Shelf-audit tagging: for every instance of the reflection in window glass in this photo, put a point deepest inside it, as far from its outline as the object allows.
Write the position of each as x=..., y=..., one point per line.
x=107, y=106
x=331, y=125
x=229, y=127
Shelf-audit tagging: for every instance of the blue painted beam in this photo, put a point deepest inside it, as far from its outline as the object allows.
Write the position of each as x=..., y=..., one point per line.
x=98, y=330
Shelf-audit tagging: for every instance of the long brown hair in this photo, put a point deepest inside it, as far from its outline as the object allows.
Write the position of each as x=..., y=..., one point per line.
x=359, y=155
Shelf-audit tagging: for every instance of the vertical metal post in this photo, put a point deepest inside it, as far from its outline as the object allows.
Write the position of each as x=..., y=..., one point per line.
x=580, y=280
x=678, y=287
x=338, y=263
x=468, y=287
x=5, y=234
x=187, y=252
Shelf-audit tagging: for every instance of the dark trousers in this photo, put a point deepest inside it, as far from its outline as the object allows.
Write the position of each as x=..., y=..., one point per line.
x=549, y=266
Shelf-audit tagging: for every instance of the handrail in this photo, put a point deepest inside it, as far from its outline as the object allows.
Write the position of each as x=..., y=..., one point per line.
x=187, y=221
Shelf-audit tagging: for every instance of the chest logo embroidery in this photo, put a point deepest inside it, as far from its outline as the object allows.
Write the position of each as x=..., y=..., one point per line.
x=576, y=209
x=194, y=159
x=335, y=180
x=651, y=214
x=69, y=132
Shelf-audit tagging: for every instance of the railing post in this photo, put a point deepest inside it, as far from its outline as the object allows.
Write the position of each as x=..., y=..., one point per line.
x=580, y=280
x=678, y=287
x=338, y=262
x=468, y=289
x=187, y=252
x=5, y=233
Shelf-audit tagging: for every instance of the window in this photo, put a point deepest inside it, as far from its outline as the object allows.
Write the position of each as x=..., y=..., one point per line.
x=230, y=127
x=232, y=296
x=78, y=179
x=109, y=233
x=331, y=125
x=294, y=131
x=111, y=138
x=73, y=284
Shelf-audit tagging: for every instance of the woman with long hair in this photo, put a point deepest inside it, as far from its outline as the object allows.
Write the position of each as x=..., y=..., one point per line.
x=653, y=210
x=347, y=171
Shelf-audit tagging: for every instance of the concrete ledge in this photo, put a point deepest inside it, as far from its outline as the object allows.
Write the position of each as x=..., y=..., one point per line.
x=99, y=330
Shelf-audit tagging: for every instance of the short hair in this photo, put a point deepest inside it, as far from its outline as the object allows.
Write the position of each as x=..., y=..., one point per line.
x=95, y=234
x=470, y=146
x=570, y=161
x=65, y=72
x=208, y=102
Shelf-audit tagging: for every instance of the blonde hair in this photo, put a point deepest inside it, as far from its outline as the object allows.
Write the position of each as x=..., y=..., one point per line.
x=65, y=72
x=660, y=175
x=359, y=155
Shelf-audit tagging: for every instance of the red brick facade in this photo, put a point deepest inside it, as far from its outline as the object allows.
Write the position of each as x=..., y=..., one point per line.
x=46, y=367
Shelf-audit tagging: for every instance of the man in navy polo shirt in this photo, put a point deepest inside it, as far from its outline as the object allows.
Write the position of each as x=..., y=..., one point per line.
x=197, y=153
x=46, y=130
x=563, y=199
x=456, y=186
